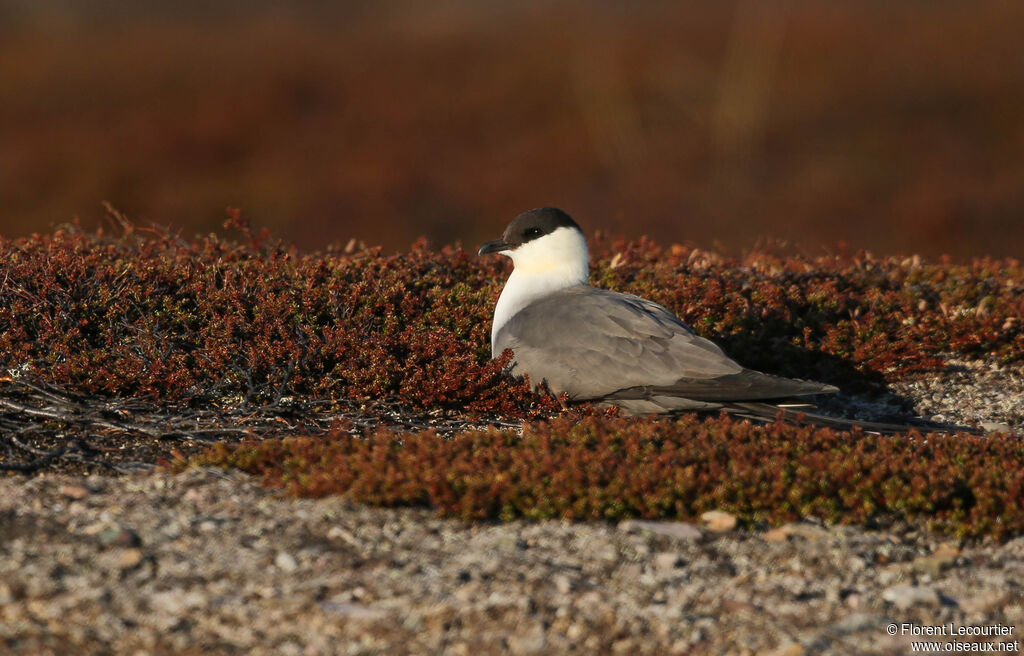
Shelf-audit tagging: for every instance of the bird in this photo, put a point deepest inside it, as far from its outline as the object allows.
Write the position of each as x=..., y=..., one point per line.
x=615, y=349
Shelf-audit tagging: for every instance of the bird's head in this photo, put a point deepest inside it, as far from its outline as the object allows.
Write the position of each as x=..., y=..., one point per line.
x=543, y=241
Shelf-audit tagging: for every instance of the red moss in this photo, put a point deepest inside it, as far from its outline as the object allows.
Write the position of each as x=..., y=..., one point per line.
x=603, y=468
x=151, y=315
x=148, y=314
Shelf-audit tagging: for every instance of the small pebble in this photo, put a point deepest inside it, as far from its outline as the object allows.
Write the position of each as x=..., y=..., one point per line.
x=120, y=537
x=285, y=562
x=718, y=521
x=667, y=560
x=77, y=492
x=677, y=530
x=907, y=596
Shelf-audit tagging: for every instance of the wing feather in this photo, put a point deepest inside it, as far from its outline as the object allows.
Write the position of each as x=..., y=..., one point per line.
x=591, y=343
x=595, y=344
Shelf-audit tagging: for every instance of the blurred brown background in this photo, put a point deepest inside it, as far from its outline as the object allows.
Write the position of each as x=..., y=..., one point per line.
x=895, y=126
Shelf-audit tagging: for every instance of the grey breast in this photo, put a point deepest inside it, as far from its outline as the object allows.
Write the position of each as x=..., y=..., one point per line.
x=596, y=344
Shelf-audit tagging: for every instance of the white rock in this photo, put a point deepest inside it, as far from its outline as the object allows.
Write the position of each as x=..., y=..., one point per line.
x=285, y=562
x=906, y=596
x=677, y=530
x=667, y=560
x=354, y=611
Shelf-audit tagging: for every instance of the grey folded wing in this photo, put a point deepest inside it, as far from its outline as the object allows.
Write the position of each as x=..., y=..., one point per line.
x=597, y=344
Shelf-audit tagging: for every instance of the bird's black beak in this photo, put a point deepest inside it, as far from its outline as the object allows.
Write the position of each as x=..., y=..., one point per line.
x=495, y=246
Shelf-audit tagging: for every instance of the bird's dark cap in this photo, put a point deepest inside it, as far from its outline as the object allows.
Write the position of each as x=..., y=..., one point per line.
x=530, y=225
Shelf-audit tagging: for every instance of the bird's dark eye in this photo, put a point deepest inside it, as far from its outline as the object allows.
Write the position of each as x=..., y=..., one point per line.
x=532, y=232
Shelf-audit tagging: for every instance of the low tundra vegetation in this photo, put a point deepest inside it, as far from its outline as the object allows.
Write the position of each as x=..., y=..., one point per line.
x=146, y=314
x=611, y=468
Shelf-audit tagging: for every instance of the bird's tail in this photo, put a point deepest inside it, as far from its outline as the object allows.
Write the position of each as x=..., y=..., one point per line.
x=767, y=412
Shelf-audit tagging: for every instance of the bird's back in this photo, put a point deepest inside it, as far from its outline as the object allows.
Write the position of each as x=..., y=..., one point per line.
x=595, y=344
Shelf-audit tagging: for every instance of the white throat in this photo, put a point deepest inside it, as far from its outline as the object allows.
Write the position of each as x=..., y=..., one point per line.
x=545, y=265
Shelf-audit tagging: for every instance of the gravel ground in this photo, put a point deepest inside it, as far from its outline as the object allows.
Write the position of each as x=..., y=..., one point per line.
x=208, y=562
x=966, y=393
x=970, y=391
